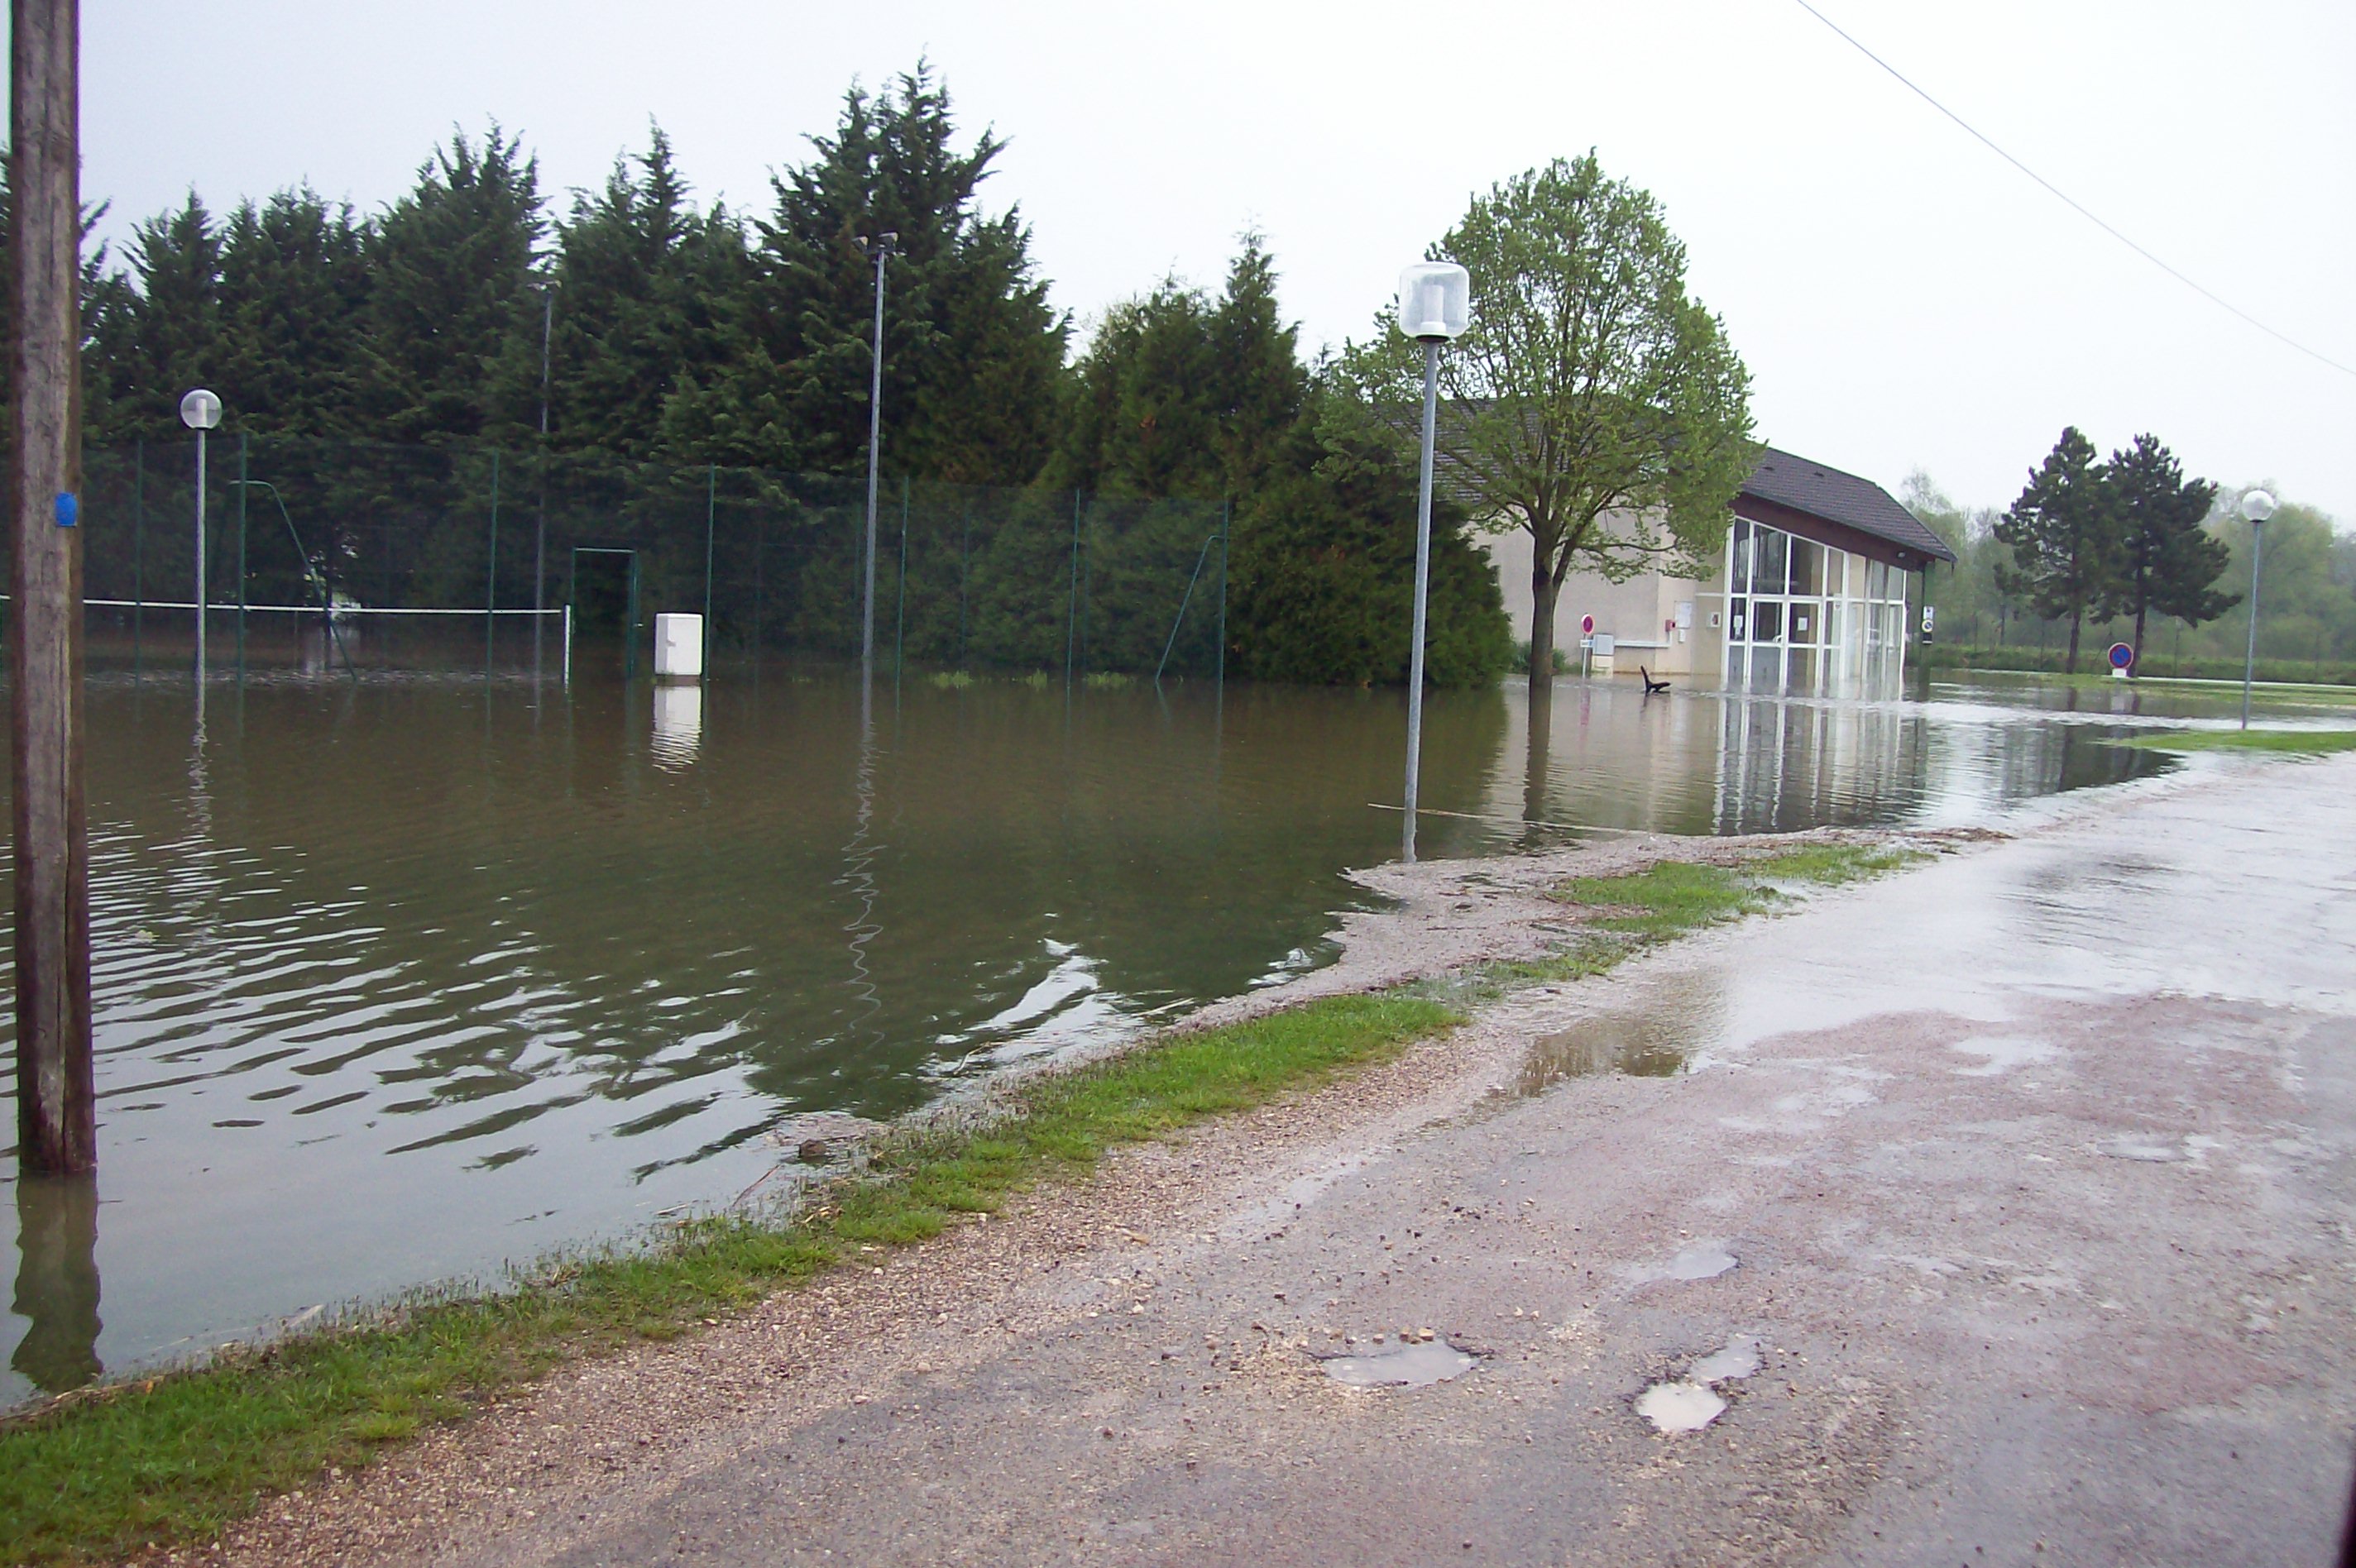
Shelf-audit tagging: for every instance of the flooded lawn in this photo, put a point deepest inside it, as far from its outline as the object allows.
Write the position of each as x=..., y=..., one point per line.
x=400, y=978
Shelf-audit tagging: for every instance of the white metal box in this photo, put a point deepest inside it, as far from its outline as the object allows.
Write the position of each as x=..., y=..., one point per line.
x=679, y=648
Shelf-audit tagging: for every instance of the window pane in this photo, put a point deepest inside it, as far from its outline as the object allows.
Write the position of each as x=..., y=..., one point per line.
x=1736, y=632
x=1877, y=580
x=1808, y=567
x=1766, y=622
x=1807, y=621
x=1768, y=556
x=1738, y=577
x=1801, y=677
x=1837, y=581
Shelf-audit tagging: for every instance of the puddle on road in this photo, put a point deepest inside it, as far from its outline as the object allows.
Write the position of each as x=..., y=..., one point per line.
x=1690, y=1404
x=1679, y=1407
x=1703, y=1260
x=1409, y=1366
x=1673, y=1022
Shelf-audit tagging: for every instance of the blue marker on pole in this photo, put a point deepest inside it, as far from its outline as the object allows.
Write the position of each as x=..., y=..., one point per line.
x=68, y=508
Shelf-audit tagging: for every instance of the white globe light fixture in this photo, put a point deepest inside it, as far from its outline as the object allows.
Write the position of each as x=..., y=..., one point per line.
x=1435, y=306
x=200, y=410
x=2257, y=506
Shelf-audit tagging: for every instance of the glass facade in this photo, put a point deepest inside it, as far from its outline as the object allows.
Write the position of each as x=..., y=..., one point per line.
x=1810, y=620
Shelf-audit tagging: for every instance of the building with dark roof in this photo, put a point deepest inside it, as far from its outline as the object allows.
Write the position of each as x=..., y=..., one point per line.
x=1811, y=595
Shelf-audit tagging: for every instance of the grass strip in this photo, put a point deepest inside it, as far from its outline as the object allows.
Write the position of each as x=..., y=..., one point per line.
x=178, y=1457
x=2282, y=742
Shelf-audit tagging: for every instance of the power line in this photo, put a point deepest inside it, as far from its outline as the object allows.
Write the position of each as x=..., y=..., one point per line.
x=2076, y=206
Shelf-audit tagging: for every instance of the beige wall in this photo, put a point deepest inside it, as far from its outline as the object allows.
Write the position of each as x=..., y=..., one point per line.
x=1636, y=613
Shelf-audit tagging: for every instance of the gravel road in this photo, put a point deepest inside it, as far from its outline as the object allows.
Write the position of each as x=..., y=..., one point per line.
x=1997, y=1212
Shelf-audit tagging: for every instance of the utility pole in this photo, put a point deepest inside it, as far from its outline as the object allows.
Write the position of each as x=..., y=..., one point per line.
x=881, y=249
x=56, y=1122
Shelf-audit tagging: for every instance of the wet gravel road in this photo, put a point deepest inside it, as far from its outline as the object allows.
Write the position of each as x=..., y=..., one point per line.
x=2002, y=1215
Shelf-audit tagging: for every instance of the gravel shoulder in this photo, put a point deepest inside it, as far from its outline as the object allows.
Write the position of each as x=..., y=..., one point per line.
x=2030, y=1171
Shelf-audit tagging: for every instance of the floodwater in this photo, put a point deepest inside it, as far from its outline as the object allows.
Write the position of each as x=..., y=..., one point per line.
x=403, y=978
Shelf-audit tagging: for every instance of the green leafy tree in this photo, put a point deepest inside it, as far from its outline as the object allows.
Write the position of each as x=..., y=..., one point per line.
x=642, y=281
x=2064, y=536
x=454, y=305
x=2165, y=560
x=1594, y=403
x=172, y=336
x=973, y=352
x=1182, y=395
x=293, y=356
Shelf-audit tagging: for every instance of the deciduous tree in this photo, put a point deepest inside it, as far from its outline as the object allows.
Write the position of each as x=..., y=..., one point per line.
x=1594, y=403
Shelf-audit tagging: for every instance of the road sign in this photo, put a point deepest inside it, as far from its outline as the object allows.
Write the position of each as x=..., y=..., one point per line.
x=1587, y=625
x=2121, y=656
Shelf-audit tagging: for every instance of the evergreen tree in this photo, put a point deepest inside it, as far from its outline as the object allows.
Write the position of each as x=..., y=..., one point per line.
x=2166, y=561
x=641, y=280
x=1179, y=395
x=172, y=338
x=454, y=307
x=973, y=350
x=2065, y=537
x=293, y=358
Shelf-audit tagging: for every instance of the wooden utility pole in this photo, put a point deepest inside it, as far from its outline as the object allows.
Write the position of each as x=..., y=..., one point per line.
x=58, y=1129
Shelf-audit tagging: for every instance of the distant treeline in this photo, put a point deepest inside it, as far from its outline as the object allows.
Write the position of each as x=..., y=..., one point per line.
x=642, y=326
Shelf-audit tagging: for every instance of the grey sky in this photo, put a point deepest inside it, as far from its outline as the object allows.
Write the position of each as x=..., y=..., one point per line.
x=1902, y=297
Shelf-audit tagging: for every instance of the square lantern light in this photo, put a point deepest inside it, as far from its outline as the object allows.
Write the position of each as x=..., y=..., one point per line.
x=1435, y=301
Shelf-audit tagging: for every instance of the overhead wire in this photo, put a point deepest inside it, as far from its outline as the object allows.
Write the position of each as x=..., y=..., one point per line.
x=2076, y=206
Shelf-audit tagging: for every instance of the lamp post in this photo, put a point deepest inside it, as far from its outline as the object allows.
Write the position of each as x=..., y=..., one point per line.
x=2257, y=506
x=200, y=410
x=1434, y=305
x=879, y=250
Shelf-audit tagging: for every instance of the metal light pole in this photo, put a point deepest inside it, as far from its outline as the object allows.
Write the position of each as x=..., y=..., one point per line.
x=1434, y=305
x=2257, y=506
x=200, y=410
x=879, y=250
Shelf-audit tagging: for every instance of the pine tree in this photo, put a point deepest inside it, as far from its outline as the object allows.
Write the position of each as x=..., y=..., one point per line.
x=2063, y=532
x=173, y=337
x=294, y=279
x=641, y=280
x=2167, y=561
x=454, y=306
x=973, y=350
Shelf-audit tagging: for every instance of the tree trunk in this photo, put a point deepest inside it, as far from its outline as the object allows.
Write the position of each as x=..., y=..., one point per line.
x=2075, y=617
x=2136, y=667
x=1546, y=592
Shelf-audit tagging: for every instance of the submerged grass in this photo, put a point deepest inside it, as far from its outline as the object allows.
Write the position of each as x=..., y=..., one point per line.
x=2290, y=743
x=178, y=1457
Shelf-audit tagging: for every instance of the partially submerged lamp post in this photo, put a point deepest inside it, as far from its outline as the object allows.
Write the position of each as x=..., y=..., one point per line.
x=1434, y=305
x=2257, y=506
x=879, y=250
x=200, y=410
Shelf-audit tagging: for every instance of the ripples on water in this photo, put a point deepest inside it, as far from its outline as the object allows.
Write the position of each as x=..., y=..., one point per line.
x=399, y=979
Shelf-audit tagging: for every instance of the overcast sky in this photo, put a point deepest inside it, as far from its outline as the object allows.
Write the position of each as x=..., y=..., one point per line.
x=1904, y=298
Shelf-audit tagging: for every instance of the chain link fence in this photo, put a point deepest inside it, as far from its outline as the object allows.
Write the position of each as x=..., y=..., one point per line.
x=440, y=555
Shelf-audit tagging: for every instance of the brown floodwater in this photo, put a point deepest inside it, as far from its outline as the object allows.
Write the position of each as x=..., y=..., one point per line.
x=403, y=978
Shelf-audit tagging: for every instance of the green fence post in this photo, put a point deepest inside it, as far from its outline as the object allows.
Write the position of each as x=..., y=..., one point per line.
x=900, y=630
x=710, y=504
x=138, y=542
x=1071, y=616
x=241, y=555
x=1226, y=514
x=491, y=586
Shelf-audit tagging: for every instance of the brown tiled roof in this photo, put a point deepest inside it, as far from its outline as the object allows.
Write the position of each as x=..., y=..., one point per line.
x=1828, y=493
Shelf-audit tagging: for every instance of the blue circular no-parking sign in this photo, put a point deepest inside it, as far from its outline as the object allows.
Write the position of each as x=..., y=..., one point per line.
x=2121, y=656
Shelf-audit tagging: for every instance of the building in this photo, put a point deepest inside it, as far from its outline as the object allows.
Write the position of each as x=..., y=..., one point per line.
x=1811, y=597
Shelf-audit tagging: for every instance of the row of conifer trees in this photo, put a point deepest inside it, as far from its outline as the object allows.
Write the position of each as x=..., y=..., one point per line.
x=647, y=328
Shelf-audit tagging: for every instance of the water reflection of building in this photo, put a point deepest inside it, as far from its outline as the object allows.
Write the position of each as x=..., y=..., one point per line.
x=1809, y=596
x=1785, y=765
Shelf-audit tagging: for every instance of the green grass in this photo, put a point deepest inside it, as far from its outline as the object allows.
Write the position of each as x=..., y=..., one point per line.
x=2291, y=742
x=177, y=1457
